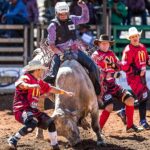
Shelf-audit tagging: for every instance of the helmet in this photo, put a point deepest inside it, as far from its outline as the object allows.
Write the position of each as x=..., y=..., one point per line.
x=61, y=7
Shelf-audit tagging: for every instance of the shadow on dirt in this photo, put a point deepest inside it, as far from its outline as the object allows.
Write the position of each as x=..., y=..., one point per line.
x=90, y=144
x=133, y=137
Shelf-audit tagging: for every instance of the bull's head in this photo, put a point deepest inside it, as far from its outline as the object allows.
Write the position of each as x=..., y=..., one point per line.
x=66, y=124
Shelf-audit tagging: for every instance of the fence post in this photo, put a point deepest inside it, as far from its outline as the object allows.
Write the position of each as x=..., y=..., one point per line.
x=25, y=44
x=31, y=39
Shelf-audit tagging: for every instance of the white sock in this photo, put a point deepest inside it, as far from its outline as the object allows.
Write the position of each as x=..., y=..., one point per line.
x=53, y=137
x=17, y=136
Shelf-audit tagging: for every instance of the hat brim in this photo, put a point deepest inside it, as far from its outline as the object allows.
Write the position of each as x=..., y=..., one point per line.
x=32, y=68
x=128, y=37
x=98, y=41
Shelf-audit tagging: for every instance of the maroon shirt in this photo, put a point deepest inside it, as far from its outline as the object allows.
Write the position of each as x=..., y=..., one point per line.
x=107, y=80
x=26, y=99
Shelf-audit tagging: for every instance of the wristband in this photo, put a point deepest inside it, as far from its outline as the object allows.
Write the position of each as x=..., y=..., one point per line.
x=62, y=92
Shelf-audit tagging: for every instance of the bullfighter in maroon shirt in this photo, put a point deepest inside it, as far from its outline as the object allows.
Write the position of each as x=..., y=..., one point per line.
x=25, y=107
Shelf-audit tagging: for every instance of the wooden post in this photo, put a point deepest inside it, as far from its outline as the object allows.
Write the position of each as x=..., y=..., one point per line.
x=25, y=44
x=38, y=35
x=31, y=39
x=104, y=17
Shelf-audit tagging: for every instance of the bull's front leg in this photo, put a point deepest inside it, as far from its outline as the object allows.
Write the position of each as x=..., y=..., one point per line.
x=39, y=131
x=96, y=127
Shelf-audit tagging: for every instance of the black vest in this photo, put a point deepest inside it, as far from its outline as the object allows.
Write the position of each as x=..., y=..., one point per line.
x=64, y=31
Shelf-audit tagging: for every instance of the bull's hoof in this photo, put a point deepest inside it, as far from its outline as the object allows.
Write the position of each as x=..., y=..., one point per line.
x=55, y=147
x=101, y=143
x=39, y=134
x=39, y=137
x=75, y=143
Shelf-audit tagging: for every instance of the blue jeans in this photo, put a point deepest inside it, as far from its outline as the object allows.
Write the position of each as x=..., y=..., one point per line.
x=85, y=61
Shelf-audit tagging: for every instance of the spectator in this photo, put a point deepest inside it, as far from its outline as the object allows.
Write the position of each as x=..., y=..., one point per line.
x=75, y=9
x=33, y=12
x=49, y=10
x=136, y=8
x=17, y=14
x=4, y=5
x=92, y=12
x=85, y=34
x=119, y=11
x=147, y=4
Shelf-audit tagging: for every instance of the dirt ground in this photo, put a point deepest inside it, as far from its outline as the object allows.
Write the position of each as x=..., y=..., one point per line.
x=114, y=131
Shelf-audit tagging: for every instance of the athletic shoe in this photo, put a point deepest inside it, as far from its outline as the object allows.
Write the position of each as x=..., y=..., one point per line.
x=145, y=125
x=134, y=128
x=12, y=142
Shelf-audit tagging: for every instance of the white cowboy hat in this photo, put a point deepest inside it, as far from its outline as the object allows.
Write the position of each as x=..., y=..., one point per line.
x=133, y=31
x=34, y=65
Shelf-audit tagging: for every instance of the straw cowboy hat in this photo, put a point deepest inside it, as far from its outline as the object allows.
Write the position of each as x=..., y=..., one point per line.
x=103, y=38
x=34, y=65
x=133, y=31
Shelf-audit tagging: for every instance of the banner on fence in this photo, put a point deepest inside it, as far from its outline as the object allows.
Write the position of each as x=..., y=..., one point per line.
x=8, y=77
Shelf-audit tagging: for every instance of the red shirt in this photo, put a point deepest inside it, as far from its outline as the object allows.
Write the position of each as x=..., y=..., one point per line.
x=134, y=59
x=99, y=58
x=25, y=99
x=106, y=78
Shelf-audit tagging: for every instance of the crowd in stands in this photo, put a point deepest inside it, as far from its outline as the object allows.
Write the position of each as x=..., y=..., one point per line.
x=124, y=10
x=18, y=12
x=27, y=12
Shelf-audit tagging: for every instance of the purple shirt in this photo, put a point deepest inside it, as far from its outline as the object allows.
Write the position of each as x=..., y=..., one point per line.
x=84, y=18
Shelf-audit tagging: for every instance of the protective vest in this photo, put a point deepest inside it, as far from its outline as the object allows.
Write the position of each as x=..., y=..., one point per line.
x=64, y=31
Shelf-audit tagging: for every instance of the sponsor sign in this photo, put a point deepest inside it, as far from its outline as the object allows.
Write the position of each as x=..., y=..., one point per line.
x=8, y=77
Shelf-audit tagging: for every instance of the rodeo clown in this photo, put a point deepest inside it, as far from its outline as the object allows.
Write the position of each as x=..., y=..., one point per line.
x=25, y=106
x=108, y=63
x=134, y=61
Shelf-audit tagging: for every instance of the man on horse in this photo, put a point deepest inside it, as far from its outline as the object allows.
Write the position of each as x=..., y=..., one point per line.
x=62, y=36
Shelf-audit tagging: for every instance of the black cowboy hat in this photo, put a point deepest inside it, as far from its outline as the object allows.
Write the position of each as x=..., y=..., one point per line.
x=103, y=38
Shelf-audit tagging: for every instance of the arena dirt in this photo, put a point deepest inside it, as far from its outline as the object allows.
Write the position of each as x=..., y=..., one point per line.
x=114, y=131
